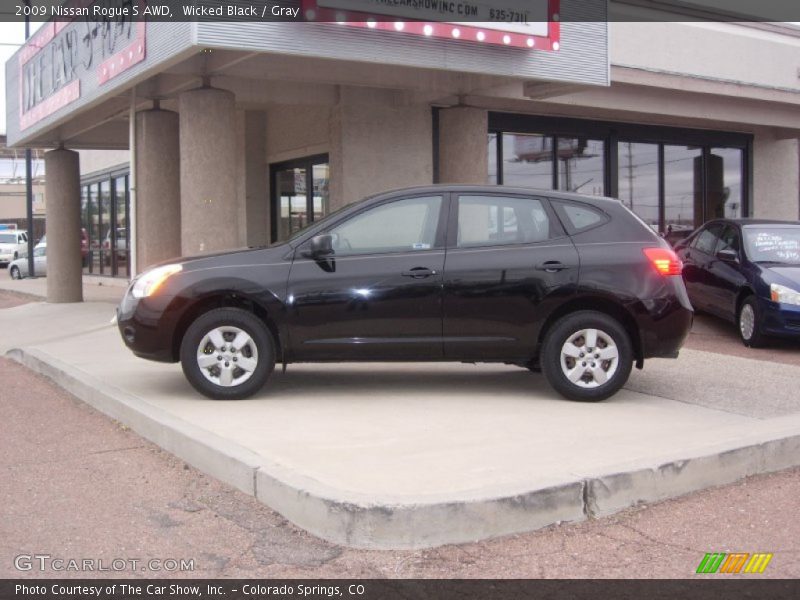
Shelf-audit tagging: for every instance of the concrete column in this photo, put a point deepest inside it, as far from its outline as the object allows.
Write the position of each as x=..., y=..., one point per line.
x=209, y=219
x=463, y=143
x=776, y=177
x=63, y=226
x=158, y=190
x=379, y=141
x=256, y=177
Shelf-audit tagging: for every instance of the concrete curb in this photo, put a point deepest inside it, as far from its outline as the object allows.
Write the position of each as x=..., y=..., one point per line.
x=358, y=520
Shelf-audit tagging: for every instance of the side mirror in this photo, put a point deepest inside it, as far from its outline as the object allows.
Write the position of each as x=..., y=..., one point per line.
x=728, y=255
x=319, y=245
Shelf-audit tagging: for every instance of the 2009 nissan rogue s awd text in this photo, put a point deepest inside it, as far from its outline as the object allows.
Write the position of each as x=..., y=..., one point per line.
x=579, y=288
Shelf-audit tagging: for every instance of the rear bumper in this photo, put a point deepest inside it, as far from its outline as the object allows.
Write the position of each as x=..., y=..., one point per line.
x=666, y=321
x=781, y=320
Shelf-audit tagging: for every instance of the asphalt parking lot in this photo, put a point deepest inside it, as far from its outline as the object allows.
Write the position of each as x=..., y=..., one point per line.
x=155, y=506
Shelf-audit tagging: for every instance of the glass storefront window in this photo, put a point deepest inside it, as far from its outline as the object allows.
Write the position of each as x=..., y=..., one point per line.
x=492, y=154
x=320, y=177
x=105, y=227
x=85, y=220
x=725, y=194
x=299, y=194
x=639, y=180
x=674, y=179
x=292, y=197
x=95, y=238
x=581, y=165
x=105, y=207
x=683, y=190
x=528, y=160
x=120, y=242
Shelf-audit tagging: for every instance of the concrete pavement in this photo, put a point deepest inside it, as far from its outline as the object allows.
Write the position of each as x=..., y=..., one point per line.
x=82, y=472
x=418, y=455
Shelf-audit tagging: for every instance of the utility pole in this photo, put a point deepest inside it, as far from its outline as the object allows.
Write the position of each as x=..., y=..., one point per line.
x=29, y=172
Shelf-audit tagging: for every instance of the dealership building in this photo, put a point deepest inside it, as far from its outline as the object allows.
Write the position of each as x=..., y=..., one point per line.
x=229, y=134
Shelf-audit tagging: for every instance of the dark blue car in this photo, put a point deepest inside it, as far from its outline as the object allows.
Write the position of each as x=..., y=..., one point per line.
x=748, y=272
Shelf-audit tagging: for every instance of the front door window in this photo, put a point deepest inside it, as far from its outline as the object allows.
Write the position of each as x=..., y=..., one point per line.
x=401, y=226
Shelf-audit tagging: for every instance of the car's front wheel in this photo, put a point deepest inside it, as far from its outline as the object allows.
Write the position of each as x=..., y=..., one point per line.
x=587, y=356
x=14, y=272
x=227, y=354
x=749, y=323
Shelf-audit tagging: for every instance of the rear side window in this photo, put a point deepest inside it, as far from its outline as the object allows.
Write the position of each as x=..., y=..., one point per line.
x=502, y=220
x=579, y=217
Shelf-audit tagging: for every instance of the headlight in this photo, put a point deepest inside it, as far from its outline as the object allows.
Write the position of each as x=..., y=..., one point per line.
x=148, y=282
x=783, y=294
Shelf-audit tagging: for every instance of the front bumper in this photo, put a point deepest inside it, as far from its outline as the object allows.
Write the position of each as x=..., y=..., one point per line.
x=781, y=320
x=146, y=327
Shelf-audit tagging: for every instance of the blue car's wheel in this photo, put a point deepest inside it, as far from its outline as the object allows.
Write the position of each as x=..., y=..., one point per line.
x=749, y=323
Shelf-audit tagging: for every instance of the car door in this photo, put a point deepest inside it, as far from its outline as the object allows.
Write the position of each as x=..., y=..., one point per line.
x=695, y=265
x=725, y=278
x=40, y=261
x=508, y=258
x=378, y=296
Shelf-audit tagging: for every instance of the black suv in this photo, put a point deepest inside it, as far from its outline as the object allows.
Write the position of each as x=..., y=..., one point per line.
x=577, y=287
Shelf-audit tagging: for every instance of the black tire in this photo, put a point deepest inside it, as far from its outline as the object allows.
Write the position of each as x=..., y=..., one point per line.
x=587, y=389
x=14, y=272
x=756, y=339
x=228, y=318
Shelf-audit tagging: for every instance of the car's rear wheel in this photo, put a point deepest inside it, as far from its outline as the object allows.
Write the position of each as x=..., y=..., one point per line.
x=227, y=354
x=15, y=274
x=587, y=356
x=749, y=323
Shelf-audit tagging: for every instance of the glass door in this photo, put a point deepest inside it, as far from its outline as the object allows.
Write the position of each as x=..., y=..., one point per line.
x=299, y=194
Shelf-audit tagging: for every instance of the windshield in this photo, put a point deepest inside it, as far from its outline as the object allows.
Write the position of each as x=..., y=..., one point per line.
x=8, y=238
x=773, y=244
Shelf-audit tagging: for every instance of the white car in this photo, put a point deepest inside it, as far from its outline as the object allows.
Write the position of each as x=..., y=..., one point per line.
x=19, y=267
x=13, y=244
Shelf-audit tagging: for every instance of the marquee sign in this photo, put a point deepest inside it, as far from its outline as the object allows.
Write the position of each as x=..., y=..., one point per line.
x=515, y=23
x=54, y=62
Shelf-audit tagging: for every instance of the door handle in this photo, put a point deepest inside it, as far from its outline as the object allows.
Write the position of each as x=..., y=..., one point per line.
x=419, y=272
x=551, y=266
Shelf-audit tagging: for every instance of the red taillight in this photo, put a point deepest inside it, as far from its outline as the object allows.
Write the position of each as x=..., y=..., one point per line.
x=666, y=262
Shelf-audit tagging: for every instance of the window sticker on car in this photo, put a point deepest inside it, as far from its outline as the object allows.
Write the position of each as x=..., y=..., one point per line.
x=420, y=246
x=772, y=244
